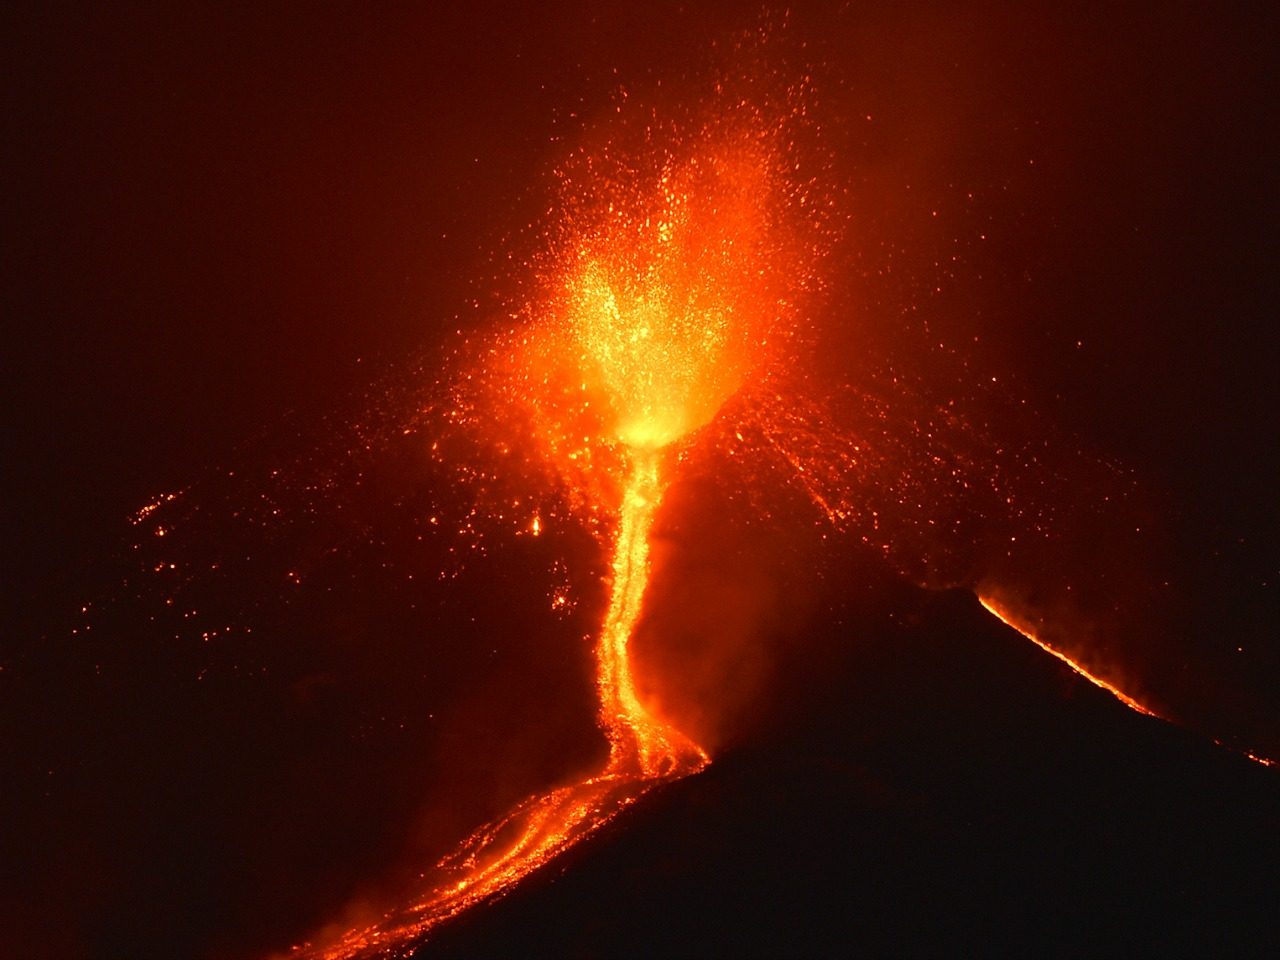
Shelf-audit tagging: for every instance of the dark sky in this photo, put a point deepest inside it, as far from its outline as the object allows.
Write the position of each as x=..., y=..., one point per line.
x=215, y=219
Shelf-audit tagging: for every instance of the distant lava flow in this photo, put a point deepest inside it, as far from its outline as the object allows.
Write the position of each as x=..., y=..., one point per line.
x=1017, y=623
x=1004, y=616
x=681, y=250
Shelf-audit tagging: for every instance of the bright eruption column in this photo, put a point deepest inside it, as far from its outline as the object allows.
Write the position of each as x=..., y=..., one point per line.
x=662, y=320
x=665, y=291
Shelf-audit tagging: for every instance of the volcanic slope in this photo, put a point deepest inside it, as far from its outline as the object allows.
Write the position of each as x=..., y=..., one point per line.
x=922, y=779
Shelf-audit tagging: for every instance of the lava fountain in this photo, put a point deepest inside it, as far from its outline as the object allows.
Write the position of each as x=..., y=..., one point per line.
x=683, y=249
x=660, y=326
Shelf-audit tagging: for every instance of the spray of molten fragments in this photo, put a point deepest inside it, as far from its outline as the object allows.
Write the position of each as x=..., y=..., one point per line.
x=683, y=247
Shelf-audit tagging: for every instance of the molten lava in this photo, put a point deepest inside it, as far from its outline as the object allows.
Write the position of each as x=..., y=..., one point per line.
x=1009, y=619
x=639, y=743
x=677, y=267
x=662, y=322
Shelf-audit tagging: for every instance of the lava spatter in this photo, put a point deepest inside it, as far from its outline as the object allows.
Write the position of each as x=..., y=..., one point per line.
x=684, y=250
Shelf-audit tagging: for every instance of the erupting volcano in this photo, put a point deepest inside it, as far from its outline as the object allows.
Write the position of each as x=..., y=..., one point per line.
x=666, y=327
x=605, y=481
x=672, y=281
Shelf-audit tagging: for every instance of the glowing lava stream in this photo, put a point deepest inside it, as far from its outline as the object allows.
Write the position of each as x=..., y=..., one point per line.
x=639, y=744
x=673, y=276
x=643, y=751
x=1009, y=620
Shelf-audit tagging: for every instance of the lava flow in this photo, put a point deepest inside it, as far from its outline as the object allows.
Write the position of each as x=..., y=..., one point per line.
x=639, y=743
x=1009, y=619
x=683, y=251
x=675, y=269
x=1006, y=616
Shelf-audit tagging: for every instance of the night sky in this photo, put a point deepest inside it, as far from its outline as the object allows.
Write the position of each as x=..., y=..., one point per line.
x=232, y=234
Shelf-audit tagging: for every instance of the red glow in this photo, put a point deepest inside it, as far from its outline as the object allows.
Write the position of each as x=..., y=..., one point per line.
x=670, y=285
x=1006, y=617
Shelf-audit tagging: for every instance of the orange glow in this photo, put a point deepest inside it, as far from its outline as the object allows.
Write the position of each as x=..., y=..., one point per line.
x=663, y=292
x=674, y=278
x=643, y=751
x=1004, y=616
x=667, y=311
x=639, y=743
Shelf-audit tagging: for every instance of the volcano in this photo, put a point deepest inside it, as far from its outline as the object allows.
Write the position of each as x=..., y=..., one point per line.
x=945, y=788
x=495, y=482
